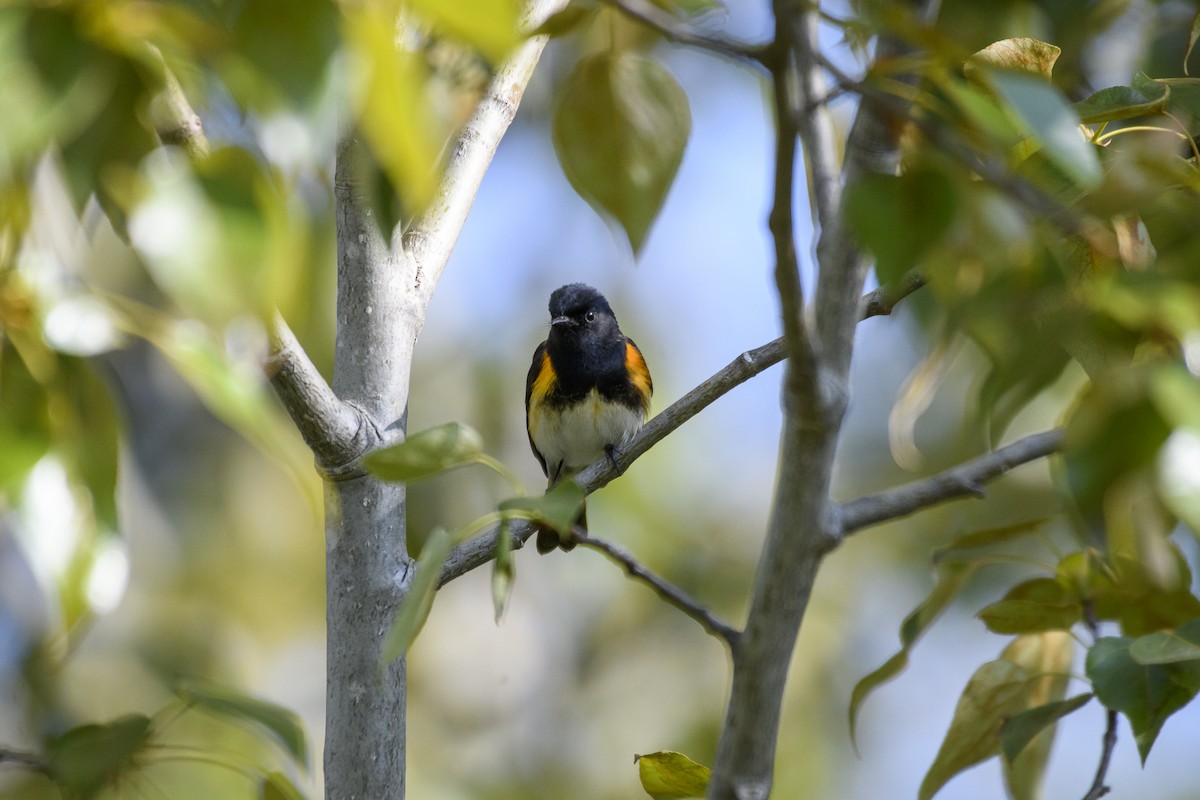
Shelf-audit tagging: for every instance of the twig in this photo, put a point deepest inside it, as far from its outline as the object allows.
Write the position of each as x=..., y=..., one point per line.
x=22, y=760
x=965, y=479
x=181, y=125
x=661, y=24
x=667, y=591
x=1109, y=740
x=480, y=549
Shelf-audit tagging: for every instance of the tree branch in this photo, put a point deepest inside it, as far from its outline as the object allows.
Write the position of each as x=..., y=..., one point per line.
x=481, y=549
x=22, y=760
x=1109, y=740
x=667, y=591
x=659, y=22
x=965, y=479
x=338, y=433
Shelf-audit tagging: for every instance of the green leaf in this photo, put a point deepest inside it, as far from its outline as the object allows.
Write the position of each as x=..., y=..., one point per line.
x=1168, y=647
x=987, y=538
x=1121, y=102
x=427, y=453
x=995, y=692
x=281, y=723
x=566, y=20
x=1029, y=616
x=1048, y=657
x=1020, y=729
x=1041, y=604
x=558, y=507
x=414, y=610
x=620, y=127
x=1042, y=112
x=277, y=786
x=502, y=569
x=1148, y=694
x=393, y=109
x=1022, y=54
x=668, y=775
x=490, y=26
x=951, y=577
x=84, y=760
x=901, y=217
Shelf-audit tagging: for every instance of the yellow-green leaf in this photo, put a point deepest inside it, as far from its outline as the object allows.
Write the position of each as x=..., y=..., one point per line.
x=284, y=725
x=558, y=507
x=620, y=127
x=668, y=775
x=414, y=609
x=1023, y=54
x=490, y=26
x=427, y=453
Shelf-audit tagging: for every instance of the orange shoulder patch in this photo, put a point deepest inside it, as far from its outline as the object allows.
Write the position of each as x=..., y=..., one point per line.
x=639, y=373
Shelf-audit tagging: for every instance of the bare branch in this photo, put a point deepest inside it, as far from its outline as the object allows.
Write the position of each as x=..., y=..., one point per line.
x=656, y=20
x=481, y=549
x=1109, y=740
x=965, y=479
x=667, y=591
x=881, y=301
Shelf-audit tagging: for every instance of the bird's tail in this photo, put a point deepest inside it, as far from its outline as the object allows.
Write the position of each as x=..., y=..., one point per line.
x=548, y=538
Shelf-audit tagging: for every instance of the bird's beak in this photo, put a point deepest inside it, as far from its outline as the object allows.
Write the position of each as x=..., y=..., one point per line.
x=560, y=321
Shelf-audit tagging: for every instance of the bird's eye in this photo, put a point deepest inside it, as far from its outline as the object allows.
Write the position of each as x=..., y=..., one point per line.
x=590, y=316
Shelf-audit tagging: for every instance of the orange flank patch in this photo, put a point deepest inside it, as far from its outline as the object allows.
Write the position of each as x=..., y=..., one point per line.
x=639, y=373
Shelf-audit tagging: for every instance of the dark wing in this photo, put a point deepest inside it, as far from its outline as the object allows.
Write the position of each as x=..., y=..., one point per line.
x=535, y=369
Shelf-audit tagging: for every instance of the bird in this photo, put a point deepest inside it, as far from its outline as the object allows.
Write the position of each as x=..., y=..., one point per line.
x=587, y=393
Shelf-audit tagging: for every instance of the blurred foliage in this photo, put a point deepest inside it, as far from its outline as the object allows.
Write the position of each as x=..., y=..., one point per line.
x=112, y=245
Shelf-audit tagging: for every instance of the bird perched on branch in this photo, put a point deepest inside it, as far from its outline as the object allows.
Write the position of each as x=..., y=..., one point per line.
x=587, y=393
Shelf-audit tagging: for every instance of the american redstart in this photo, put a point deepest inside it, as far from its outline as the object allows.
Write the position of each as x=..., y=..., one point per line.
x=587, y=394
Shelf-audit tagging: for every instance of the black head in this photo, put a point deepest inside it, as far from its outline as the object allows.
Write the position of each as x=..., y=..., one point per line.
x=577, y=309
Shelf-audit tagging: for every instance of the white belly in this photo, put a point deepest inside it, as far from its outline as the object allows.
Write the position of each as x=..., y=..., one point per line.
x=578, y=435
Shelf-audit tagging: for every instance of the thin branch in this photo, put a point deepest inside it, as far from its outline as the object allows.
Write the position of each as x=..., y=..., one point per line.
x=662, y=24
x=481, y=549
x=1109, y=740
x=667, y=591
x=338, y=433
x=22, y=760
x=881, y=301
x=965, y=479
x=178, y=122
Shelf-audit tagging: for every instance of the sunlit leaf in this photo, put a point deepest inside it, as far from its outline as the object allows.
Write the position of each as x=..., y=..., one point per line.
x=668, y=775
x=1043, y=113
x=427, y=453
x=1022, y=54
x=490, y=26
x=84, y=760
x=277, y=786
x=393, y=111
x=620, y=127
x=1168, y=647
x=558, y=507
x=1049, y=658
x=995, y=692
x=1020, y=729
x=899, y=218
x=1148, y=694
x=415, y=607
x=284, y=725
x=951, y=578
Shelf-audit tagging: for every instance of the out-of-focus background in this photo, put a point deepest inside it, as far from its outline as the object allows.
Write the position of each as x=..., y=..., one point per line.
x=215, y=567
